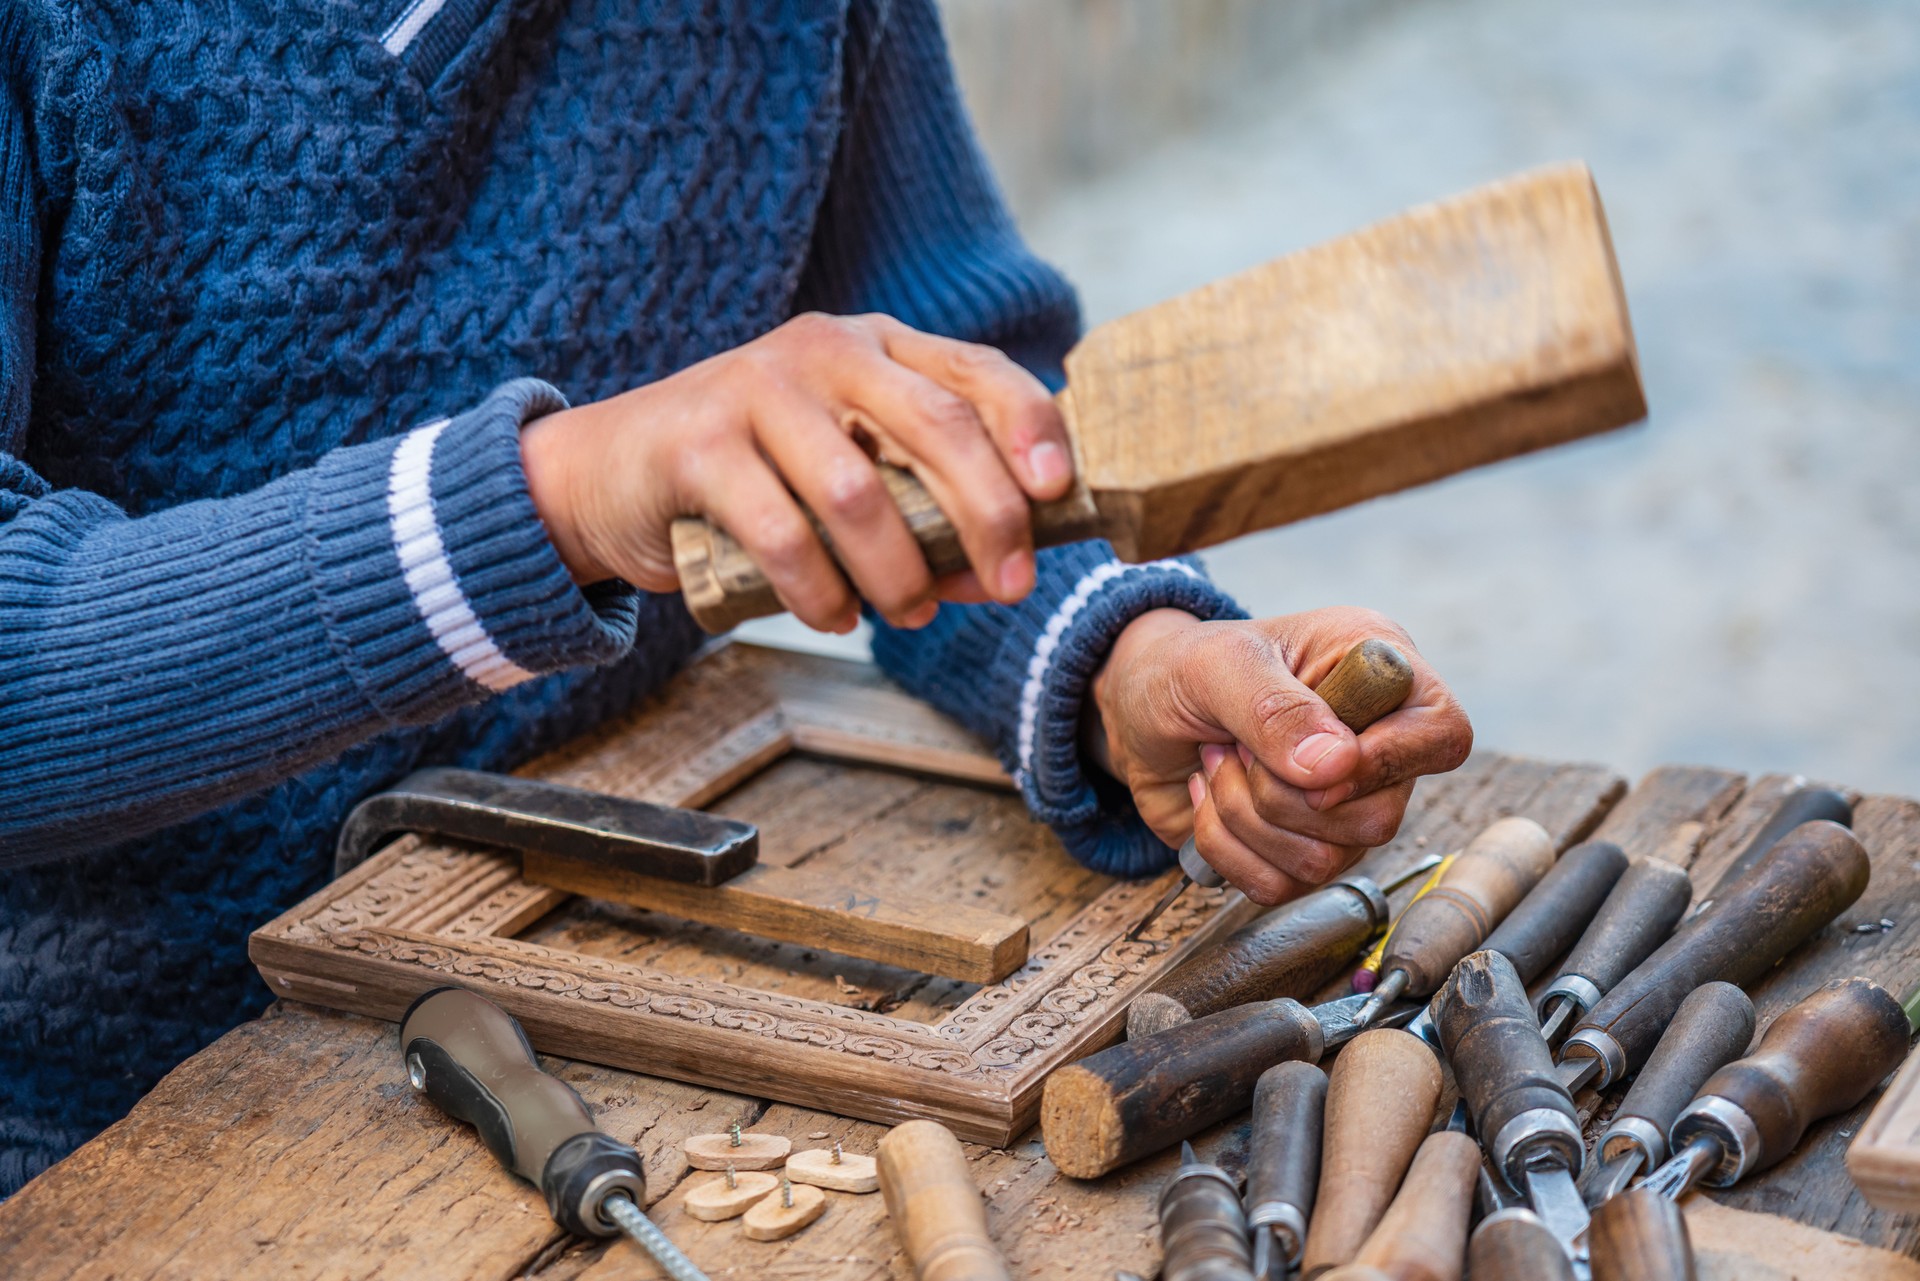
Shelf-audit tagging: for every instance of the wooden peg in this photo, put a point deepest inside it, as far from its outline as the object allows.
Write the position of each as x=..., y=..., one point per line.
x=1380, y=1100
x=832, y=1168
x=1423, y=1234
x=741, y=1151
x=784, y=1212
x=936, y=1209
x=717, y=1199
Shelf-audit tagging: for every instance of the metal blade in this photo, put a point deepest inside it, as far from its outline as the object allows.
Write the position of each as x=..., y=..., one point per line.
x=1609, y=1178
x=1340, y=1019
x=1575, y=1073
x=1387, y=992
x=1557, y=1020
x=1166, y=901
x=1684, y=1168
x=1412, y=874
x=1551, y=1192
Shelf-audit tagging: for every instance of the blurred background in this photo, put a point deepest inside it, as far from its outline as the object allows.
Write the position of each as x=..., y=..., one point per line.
x=1735, y=583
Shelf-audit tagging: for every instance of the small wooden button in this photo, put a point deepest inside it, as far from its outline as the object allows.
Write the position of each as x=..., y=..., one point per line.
x=852, y=1172
x=756, y=1151
x=713, y=1200
x=772, y=1218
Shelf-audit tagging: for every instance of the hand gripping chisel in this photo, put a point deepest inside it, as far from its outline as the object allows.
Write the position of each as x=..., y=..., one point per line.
x=472, y=1058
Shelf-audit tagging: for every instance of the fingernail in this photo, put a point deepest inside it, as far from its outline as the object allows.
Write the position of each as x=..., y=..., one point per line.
x=1016, y=575
x=1313, y=799
x=1196, y=790
x=1328, y=797
x=1211, y=755
x=1313, y=749
x=922, y=616
x=1048, y=464
x=1246, y=757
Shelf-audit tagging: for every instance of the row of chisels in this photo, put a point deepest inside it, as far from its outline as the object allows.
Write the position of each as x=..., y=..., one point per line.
x=1344, y=1178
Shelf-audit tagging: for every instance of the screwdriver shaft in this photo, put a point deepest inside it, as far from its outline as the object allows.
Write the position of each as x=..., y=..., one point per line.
x=640, y=1229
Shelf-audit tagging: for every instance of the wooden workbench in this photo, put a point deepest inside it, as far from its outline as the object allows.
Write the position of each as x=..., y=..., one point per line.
x=293, y=1148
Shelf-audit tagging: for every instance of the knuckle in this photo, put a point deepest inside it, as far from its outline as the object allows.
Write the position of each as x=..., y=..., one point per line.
x=1377, y=826
x=855, y=492
x=1317, y=863
x=780, y=543
x=969, y=361
x=943, y=413
x=1266, y=886
x=816, y=329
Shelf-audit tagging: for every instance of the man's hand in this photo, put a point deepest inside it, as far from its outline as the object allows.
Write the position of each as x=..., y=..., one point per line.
x=1215, y=729
x=804, y=411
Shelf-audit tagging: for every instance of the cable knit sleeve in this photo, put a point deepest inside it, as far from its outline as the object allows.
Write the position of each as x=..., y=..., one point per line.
x=914, y=226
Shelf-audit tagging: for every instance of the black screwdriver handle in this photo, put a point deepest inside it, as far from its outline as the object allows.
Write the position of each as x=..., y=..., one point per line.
x=1821, y=1057
x=1639, y=913
x=1711, y=1029
x=1283, y=1170
x=1504, y=1068
x=472, y=1059
x=1812, y=875
x=1555, y=911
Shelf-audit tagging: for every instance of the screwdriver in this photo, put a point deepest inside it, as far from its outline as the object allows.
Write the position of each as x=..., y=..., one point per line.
x=1820, y=1057
x=1711, y=1029
x=1552, y=914
x=472, y=1058
x=1815, y=872
x=1491, y=875
x=1294, y=950
x=1646, y=903
x=1505, y=1072
x=1289, y=1104
x=1372, y=680
x=1141, y=1096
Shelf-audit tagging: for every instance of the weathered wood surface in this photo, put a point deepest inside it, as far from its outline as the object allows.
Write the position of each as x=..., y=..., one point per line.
x=294, y=1148
x=1453, y=335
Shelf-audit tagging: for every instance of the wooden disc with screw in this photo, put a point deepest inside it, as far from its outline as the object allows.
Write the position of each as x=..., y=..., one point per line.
x=851, y=1173
x=713, y=1200
x=771, y=1218
x=756, y=1151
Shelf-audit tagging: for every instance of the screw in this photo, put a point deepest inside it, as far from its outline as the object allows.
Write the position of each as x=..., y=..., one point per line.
x=836, y=1152
x=736, y=1134
x=733, y=1180
x=786, y=1193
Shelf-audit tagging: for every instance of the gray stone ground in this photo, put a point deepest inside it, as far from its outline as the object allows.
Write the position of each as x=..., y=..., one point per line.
x=1737, y=582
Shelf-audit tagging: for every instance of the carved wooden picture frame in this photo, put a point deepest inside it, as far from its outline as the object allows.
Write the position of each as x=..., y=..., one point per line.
x=422, y=914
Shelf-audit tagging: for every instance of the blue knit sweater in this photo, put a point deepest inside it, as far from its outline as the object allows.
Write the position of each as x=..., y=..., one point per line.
x=279, y=285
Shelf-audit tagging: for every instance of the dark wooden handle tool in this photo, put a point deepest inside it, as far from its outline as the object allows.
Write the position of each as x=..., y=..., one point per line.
x=1203, y=1232
x=1453, y=335
x=1283, y=1168
x=1370, y=680
x=1514, y=1245
x=1802, y=805
x=472, y=1059
x=1492, y=875
x=1380, y=1100
x=1639, y=913
x=1819, y=1058
x=1811, y=876
x=1712, y=1028
x=1294, y=950
x=1423, y=1234
x=1639, y=1236
x=1554, y=912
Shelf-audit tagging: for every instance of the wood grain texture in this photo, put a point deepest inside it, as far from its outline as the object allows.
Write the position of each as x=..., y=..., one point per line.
x=293, y=1147
x=1884, y=1158
x=1453, y=335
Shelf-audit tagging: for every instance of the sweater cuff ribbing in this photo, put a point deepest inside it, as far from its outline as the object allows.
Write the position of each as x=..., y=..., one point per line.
x=435, y=576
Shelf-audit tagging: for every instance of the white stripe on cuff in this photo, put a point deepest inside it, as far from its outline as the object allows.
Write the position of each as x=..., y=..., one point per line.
x=1083, y=591
x=423, y=561
x=412, y=20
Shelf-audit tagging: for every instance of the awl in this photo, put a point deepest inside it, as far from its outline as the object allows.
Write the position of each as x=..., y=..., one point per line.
x=1372, y=680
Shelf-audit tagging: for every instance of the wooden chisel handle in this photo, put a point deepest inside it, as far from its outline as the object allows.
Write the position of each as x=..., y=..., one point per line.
x=724, y=587
x=1423, y=1234
x=1712, y=1028
x=1283, y=1167
x=1138, y=1097
x=1514, y=1245
x=936, y=1209
x=1815, y=873
x=1639, y=913
x=1819, y=1058
x=1491, y=875
x=1380, y=1100
x=1639, y=1235
x=1555, y=911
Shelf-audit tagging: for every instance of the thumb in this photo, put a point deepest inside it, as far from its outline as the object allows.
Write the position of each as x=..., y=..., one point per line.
x=1288, y=728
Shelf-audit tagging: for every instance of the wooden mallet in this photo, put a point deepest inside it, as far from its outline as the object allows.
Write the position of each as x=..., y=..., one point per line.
x=1451, y=336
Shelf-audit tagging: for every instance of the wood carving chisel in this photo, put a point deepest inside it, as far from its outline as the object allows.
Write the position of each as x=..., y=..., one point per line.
x=1490, y=876
x=1140, y=1097
x=1812, y=875
x=936, y=1208
x=1804, y=804
x=1711, y=1029
x=1639, y=1236
x=1512, y=1244
x=1294, y=950
x=1454, y=335
x=1819, y=1058
x=1504, y=1069
x=1423, y=1234
x=1203, y=1231
x=1641, y=912
x=472, y=1059
x=1283, y=1166
x=1552, y=915
x=1380, y=1100
x=1370, y=681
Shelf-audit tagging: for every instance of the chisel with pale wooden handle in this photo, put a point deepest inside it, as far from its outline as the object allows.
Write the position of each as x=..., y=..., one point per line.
x=1451, y=336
